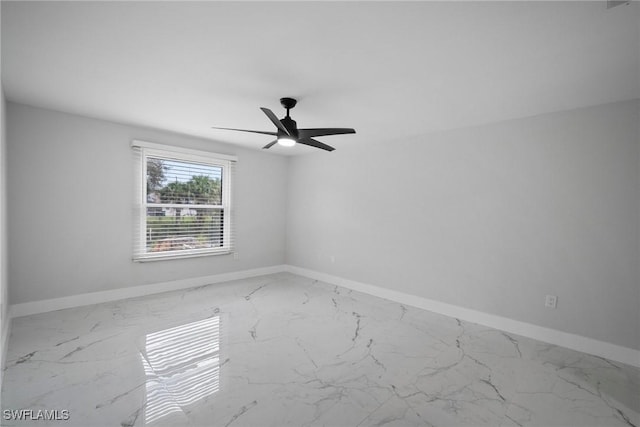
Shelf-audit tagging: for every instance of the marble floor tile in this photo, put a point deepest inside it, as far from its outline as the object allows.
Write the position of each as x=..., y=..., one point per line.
x=283, y=350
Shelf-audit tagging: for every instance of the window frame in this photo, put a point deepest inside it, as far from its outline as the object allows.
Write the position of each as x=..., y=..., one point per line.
x=145, y=150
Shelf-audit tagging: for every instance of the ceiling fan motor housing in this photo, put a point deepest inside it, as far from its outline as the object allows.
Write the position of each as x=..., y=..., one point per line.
x=291, y=126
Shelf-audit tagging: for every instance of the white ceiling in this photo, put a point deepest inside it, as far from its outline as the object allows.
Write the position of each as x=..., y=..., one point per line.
x=391, y=70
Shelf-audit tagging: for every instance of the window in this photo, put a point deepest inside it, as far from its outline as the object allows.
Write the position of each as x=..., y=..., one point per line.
x=183, y=202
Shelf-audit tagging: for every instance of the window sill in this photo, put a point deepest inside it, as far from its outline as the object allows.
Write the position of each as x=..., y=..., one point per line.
x=167, y=257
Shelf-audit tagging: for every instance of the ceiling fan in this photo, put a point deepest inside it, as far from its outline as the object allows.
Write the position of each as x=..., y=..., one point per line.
x=288, y=133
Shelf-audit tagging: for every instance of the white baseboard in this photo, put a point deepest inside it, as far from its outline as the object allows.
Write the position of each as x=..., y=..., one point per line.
x=44, y=306
x=575, y=342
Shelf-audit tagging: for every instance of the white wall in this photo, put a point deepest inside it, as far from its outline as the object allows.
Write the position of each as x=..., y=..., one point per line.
x=490, y=218
x=4, y=284
x=70, y=192
x=4, y=301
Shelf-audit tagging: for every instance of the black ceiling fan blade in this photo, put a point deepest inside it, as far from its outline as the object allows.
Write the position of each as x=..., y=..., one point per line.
x=308, y=133
x=274, y=120
x=313, y=143
x=246, y=130
x=269, y=145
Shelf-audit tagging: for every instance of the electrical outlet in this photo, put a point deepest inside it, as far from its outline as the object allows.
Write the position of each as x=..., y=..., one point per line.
x=332, y=259
x=551, y=301
x=236, y=255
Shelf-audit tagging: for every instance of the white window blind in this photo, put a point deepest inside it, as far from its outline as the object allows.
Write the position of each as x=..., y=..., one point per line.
x=182, y=204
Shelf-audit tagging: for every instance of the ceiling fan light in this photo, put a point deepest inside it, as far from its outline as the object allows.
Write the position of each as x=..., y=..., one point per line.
x=286, y=141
